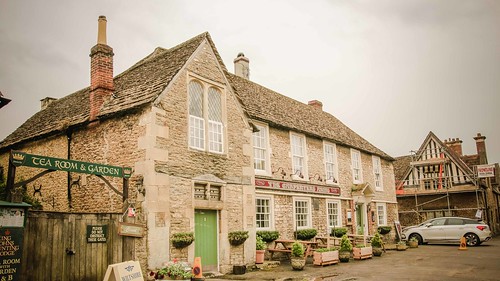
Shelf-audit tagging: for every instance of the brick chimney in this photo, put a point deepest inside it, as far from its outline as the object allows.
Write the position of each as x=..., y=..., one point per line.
x=242, y=66
x=481, y=148
x=455, y=145
x=101, y=71
x=316, y=104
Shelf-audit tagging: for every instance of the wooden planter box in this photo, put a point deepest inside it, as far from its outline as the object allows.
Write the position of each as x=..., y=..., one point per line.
x=362, y=253
x=326, y=258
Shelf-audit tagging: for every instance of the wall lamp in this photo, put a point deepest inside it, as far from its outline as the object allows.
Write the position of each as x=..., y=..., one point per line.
x=283, y=173
x=297, y=173
x=316, y=177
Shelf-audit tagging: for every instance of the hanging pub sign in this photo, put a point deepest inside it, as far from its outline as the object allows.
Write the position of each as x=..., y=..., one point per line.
x=20, y=158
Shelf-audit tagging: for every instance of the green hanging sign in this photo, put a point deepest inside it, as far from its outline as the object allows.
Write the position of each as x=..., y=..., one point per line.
x=20, y=158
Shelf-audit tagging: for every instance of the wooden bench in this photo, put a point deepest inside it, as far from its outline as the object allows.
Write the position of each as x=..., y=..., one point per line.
x=272, y=251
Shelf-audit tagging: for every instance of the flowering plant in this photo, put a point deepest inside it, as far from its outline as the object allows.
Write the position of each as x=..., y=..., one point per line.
x=173, y=270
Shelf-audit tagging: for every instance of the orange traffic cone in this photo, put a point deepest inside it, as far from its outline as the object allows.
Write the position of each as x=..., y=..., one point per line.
x=197, y=272
x=463, y=244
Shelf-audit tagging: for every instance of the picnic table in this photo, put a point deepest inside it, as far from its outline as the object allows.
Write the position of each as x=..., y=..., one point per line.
x=285, y=246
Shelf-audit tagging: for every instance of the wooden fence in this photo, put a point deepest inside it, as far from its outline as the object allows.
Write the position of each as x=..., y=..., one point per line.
x=55, y=246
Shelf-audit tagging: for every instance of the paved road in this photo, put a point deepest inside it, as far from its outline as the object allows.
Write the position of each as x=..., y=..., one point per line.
x=428, y=262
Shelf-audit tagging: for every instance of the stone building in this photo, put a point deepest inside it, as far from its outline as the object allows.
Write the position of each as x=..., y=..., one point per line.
x=211, y=152
x=438, y=180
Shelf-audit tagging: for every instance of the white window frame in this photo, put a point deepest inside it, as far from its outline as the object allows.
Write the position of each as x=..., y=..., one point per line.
x=377, y=171
x=308, y=214
x=302, y=155
x=271, y=213
x=383, y=207
x=331, y=164
x=356, y=166
x=213, y=133
x=330, y=225
x=265, y=147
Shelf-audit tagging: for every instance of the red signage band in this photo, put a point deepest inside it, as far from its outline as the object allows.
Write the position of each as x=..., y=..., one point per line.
x=293, y=186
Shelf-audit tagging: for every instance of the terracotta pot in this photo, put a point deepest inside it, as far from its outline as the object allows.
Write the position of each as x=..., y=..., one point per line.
x=259, y=256
x=413, y=244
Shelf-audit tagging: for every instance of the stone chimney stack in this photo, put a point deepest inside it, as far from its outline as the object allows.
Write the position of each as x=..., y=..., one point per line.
x=101, y=71
x=46, y=101
x=455, y=145
x=316, y=104
x=481, y=148
x=241, y=66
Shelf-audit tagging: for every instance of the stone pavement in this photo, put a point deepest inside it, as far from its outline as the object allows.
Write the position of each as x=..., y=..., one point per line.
x=427, y=262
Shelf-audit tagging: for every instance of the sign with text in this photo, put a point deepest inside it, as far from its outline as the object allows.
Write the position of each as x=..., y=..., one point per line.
x=97, y=233
x=20, y=158
x=125, y=271
x=293, y=186
x=130, y=229
x=11, y=243
x=485, y=171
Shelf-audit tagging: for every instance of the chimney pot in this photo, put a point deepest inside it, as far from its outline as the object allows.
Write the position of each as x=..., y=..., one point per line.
x=481, y=148
x=101, y=30
x=316, y=104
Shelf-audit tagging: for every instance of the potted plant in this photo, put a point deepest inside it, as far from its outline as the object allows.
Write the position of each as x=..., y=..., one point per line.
x=260, y=247
x=345, y=249
x=413, y=242
x=237, y=237
x=376, y=243
x=384, y=229
x=338, y=232
x=298, y=260
x=361, y=252
x=401, y=246
x=173, y=270
x=182, y=239
x=268, y=235
x=325, y=256
x=305, y=234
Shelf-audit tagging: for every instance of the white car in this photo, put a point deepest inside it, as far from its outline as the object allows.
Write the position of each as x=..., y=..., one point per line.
x=448, y=230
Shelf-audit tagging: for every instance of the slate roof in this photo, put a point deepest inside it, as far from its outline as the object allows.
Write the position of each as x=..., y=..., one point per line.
x=139, y=85
x=401, y=165
x=278, y=110
x=142, y=83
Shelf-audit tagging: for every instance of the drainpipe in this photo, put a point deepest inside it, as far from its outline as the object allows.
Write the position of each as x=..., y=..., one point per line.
x=68, y=136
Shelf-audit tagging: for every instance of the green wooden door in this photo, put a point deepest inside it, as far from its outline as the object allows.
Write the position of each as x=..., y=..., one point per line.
x=206, y=239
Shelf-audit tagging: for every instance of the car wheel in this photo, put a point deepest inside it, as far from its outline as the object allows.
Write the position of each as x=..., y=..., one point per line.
x=472, y=239
x=416, y=236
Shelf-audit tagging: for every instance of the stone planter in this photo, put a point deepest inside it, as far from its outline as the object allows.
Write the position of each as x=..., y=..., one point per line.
x=298, y=263
x=401, y=247
x=344, y=256
x=413, y=244
x=362, y=253
x=377, y=251
x=325, y=258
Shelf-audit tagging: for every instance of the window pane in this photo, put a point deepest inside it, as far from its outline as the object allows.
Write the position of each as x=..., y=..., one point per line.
x=195, y=99
x=330, y=162
x=301, y=213
x=196, y=132
x=214, y=105
x=259, y=148
x=263, y=212
x=298, y=151
x=215, y=136
x=333, y=214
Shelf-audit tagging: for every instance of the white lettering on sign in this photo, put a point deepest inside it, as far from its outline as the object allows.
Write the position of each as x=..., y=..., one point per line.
x=485, y=171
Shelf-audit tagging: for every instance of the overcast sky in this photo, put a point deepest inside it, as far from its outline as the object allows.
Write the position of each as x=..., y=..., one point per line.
x=391, y=70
